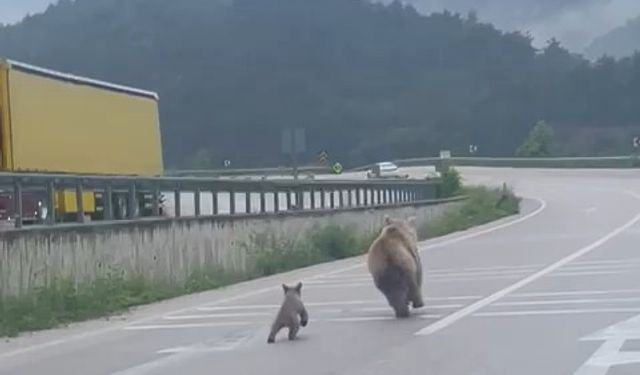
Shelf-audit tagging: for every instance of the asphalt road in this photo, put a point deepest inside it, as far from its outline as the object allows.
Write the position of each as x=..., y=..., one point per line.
x=555, y=290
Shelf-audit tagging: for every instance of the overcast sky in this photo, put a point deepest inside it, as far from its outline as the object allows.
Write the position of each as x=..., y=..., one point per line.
x=575, y=22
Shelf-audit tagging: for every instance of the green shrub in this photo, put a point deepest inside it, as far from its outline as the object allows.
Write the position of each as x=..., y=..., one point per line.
x=482, y=206
x=451, y=183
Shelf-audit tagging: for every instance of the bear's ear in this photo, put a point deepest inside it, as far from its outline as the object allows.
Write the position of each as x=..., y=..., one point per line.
x=412, y=221
x=387, y=220
x=299, y=288
x=285, y=288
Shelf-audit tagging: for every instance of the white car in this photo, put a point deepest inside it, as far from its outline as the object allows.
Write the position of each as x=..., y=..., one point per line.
x=385, y=170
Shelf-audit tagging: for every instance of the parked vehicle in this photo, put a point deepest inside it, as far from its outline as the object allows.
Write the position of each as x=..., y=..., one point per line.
x=60, y=123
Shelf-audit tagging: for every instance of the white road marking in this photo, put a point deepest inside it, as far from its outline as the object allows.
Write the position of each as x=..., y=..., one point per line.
x=574, y=293
x=593, y=273
x=604, y=267
x=608, y=261
x=568, y=301
x=557, y=312
x=609, y=354
x=372, y=309
x=186, y=326
x=214, y=316
x=493, y=268
x=330, y=303
x=484, y=273
x=456, y=316
x=376, y=318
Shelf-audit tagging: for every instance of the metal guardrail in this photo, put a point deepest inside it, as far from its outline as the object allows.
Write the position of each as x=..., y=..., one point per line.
x=279, y=171
x=631, y=161
x=124, y=197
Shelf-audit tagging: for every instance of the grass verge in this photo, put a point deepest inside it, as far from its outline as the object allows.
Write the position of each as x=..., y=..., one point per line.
x=483, y=206
x=64, y=302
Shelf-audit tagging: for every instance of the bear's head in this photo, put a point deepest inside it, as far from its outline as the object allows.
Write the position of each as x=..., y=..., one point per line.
x=403, y=227
x=292, y=289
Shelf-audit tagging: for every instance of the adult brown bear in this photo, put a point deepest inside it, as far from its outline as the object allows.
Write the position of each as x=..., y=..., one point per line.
x=394, y=264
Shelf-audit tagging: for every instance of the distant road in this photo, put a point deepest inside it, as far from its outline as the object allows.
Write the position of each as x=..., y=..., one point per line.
x=554, y=291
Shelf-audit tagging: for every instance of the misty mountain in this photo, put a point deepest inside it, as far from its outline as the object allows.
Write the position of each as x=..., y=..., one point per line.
x=367, y=81
x=574, y=22
x=622, y=41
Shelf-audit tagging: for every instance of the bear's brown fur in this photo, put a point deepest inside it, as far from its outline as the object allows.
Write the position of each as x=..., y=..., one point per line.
x=394, y=264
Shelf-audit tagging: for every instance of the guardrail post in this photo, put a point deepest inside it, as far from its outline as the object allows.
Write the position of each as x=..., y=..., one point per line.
x=17, y=203
x=312, y=198
x=131, y=209
x=51, y=203
x=323, y=198
x=79, y=202
x=156, y=201
x=358, y=197
x=232, y=202
x=247, y=202
x=276, y=201
x=341, y=198
x=300, y=199
x=289, y=200
x=196, y=202
x=108, y=203
x=365, y=191
x=263, y=201
x=350, y=197
x=378, y=196
x=177, y=202
x=214, y=202
x=332, y=199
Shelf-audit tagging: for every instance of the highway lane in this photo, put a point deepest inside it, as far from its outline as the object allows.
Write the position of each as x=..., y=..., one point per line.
x=554, y=291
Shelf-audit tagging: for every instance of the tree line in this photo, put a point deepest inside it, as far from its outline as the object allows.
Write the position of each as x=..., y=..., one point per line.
x=367, y=81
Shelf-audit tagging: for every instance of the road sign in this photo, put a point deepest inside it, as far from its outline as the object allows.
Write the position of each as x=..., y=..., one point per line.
x=445, y=154
x=610, y=353
x=323, y=158
x=337, y=168
x=227, y=163
x=473, y=149
x=294, y=141
x=636, y=142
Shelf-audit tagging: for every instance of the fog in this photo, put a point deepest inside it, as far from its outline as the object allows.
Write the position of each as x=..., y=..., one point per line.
x=574, y=22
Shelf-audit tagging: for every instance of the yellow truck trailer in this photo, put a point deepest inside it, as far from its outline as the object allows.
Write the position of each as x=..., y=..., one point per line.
x=61, y=123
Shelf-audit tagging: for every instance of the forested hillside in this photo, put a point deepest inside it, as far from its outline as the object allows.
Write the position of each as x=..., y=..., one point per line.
x=367, y=81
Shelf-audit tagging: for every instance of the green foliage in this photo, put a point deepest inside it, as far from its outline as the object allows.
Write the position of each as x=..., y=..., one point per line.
x=232, y=74
x=63, y=302
x=483, y=206
x=538, y=142
x=451, y=183
x=331, y=242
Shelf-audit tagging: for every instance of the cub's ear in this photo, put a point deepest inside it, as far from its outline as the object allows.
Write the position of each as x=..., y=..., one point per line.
x=299, y=287
x=412, y=221
x=285, y=288
x=387, y=220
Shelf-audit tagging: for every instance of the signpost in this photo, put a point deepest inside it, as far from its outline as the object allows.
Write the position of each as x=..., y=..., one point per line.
x=294, y=142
